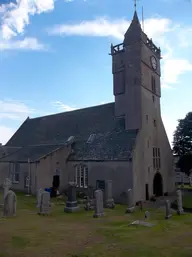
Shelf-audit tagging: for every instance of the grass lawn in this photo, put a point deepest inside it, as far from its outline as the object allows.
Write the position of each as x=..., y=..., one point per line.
x=80, y=235
x=185, y=187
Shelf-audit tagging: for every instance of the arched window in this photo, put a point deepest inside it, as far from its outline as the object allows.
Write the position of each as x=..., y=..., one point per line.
x=81, y=175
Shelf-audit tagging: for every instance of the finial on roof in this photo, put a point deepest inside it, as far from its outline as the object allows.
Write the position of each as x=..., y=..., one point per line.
x=135, y=4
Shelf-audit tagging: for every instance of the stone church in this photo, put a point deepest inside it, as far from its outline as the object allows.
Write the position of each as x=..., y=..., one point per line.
x=124, y=141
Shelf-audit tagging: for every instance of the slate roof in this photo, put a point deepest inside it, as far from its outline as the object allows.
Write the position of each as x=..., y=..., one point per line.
x=42, y=135
x=6, y=150
x=34, y=153
x=116, y=146
x=57, y=128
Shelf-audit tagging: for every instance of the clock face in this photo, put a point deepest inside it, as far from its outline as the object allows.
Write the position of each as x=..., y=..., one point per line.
x=153, y=62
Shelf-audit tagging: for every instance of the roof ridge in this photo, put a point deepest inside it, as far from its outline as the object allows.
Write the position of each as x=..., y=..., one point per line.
x=76, y=110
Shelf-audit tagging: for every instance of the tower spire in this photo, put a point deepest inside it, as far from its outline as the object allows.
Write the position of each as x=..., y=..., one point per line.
x=135, y=5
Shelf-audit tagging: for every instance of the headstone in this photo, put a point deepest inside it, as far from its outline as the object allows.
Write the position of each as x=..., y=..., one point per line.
x=71, y=204
x=109, y=202
x=190, y=181
x=142, y=223
x=45, y=205
x=130, y=203
x=89, y=204
x=6, y=186
x=167, y=209
x=39, y=193
x=147, y=215
x=179, y=202
x=99, y=210
x=10, y=203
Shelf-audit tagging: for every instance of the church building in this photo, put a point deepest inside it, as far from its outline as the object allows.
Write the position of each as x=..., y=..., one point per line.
x=124, y=141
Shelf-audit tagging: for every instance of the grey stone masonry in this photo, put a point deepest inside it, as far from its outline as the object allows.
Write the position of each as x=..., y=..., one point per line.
x=45, y=204
x=71, y=204
x=109, y=201
x=10, y=204
x=167, y=209
x=99, y=210
x=130, y=202
x=179, y=202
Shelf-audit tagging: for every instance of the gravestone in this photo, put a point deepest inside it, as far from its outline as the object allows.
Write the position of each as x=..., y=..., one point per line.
x=39, y=193
x=45, y=205
x=179, y=202
x=6, y=186
x=10, y=204
x=130, y=203
x=109, y=202
x=89, y=204
x=142, y=223
x=190, y=181
x=147, y=215
x=167, y=209
x=99, y=210
x=71, y=204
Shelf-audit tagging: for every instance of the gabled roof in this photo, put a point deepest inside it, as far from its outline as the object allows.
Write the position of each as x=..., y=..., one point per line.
x=58, y=128
x=32, y=153
x=111, y=146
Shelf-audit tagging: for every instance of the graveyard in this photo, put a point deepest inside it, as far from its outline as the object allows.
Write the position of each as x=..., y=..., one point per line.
x=78, y=234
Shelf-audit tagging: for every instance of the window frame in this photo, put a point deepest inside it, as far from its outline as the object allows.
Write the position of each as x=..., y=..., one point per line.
x=16, y=172
x=81, y=176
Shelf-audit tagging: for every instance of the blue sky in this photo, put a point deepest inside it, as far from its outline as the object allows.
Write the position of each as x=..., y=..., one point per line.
x=54, y=55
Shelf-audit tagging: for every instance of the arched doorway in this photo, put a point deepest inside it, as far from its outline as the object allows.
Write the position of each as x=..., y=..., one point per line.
x=158, y=185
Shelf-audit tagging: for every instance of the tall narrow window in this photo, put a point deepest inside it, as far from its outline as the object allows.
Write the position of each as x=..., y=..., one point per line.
x=16, y=172
x=156, y=158
x=155, y=123
x=81, y=176
x=153, y=84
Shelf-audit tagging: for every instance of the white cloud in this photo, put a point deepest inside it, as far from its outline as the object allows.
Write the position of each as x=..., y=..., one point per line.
x=14, y=110
x=61, y=107
x=5, y=134
x=103, y=27
x=25, y=44
x=16, y=16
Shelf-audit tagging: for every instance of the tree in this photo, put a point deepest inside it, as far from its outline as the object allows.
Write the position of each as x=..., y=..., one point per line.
x=185, y=163
x=182, y=143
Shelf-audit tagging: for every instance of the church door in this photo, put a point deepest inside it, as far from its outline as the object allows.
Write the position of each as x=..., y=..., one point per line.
x=158, y=185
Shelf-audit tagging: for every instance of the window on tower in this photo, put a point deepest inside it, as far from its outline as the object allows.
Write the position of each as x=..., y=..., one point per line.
x=156, y=158
x=153, y=84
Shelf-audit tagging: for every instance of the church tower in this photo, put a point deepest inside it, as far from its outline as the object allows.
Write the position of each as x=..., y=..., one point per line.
x=136, y=72
x=136, y=87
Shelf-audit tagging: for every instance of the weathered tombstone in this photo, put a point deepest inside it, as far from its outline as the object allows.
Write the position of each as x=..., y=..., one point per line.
x=147, y=215
x=99, y=210
x=6, y=186
x=10, y=204
x=130, y=203
x=88, y=206
x=71, y=204
x=45, y=205
x=179, y=202
x=190, y=181
x=39, y=193
x=167, y=209
x=109, y=202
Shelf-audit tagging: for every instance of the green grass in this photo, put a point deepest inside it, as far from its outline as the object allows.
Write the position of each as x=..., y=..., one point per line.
x=184, y=187
x=80, y=235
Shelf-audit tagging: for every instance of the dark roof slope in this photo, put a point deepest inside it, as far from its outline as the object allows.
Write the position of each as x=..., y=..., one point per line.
x=57, y=128
x=6, y=150
x=34, y=153
x=107, y=146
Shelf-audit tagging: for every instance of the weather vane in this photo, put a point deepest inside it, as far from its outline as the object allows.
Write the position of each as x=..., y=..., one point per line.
x=135, y=4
